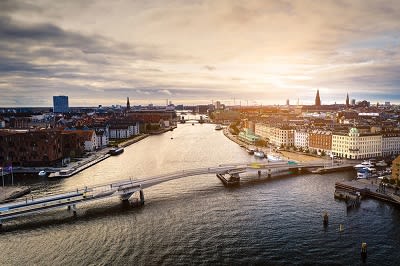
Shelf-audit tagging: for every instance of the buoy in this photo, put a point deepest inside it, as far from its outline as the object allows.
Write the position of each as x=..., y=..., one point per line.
x=363, y=251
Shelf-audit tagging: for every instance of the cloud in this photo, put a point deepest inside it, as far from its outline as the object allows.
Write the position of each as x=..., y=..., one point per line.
x=197, y=50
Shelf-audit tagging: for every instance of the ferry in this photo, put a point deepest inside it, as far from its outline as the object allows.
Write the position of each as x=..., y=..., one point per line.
x=116, y=151
x=218, y=127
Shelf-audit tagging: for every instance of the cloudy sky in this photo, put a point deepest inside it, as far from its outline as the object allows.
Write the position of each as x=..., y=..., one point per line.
x=256, y=52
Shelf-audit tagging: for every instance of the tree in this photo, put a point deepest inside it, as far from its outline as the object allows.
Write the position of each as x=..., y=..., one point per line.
x=301, y=149
x=323, y=153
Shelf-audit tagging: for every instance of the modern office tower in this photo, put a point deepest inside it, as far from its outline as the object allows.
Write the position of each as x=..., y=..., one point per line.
x=60, y=104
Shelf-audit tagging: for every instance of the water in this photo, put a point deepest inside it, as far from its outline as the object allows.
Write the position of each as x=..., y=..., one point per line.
x=196, y=220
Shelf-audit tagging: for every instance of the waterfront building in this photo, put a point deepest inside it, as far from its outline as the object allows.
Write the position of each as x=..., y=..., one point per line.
x=248, y=136
x=101, y=139
x=390, y=143
x=356, y=145
x=60, y=104
x=320, y=140
x=301, y=137
x=123, y=130
x=30, y=148
x=396, y=168
x=278, y=136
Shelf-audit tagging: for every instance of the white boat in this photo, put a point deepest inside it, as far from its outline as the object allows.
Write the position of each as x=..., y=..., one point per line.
x=363, y=174
x=42, y=173
x=363, y=165
x=381, y=163
x=259, y=154
x=218, y=127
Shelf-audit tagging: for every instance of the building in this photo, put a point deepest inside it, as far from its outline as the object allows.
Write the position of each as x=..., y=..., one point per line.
x=123, y=130
x=301, y=138
x=396, y=168
x=317, y=99
x=356, y=145
x=390, y=144
x=60, y=104
x=30, y=148
x=347, y=101
x=248, y=136
x=278, y=136
x=320, y=141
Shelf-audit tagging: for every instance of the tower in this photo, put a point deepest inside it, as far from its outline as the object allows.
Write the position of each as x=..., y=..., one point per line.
x=128, y=105
x=347, y=101
x=317, y=99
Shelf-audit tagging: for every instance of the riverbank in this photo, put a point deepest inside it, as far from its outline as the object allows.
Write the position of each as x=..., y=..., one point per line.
x=10, y=193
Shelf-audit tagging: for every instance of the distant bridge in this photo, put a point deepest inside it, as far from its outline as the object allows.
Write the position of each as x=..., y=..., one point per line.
x=125, y=189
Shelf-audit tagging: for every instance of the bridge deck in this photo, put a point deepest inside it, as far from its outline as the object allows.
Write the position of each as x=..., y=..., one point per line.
x=127, y=187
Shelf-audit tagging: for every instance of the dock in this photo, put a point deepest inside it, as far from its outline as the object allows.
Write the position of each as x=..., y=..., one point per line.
x=68, y=172
x=371, y=189
x=333, y=169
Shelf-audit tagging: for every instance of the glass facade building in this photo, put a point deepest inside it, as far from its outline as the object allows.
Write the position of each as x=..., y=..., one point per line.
x=60, y=104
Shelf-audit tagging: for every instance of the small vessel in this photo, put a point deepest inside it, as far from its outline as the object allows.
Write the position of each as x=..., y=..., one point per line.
x=192, y=124
x=363, y=165
x=250, y=151
x=259, y=154
x=381, y=163
x=218, y=127
x=42, y=173
x=116, y=151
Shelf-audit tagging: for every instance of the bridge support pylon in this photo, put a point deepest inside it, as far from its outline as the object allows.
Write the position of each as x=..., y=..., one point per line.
x=141, y=197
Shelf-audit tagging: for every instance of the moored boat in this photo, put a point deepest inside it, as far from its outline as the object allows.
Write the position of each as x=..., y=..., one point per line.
x=116, y=151
x=42, y=173
x=218, y=127
x=250, y=151
x=259, y=154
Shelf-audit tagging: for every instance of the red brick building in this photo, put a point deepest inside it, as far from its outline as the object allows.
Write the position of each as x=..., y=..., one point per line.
x=30, y=148
x=320, y=140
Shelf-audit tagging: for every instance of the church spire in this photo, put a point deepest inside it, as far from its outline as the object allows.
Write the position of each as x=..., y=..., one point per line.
x=317, y=99
x=128, y=105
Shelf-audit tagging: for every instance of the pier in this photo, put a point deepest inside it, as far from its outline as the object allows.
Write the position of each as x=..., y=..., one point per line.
x=369, y=188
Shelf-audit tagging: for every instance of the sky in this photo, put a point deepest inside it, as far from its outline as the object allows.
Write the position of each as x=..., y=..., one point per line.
x=196, y=52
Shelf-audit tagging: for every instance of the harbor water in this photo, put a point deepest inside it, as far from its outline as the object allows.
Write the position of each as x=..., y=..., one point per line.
x=196, y=220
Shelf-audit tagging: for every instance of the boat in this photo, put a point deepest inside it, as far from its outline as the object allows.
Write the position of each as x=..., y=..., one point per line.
x=259, y=154
x=366, y=172
x=192, y=124
x=42, y=173
x=250, y=151
x=218, y=127
x=363, y=165
x=381, y=163
x=116, y=151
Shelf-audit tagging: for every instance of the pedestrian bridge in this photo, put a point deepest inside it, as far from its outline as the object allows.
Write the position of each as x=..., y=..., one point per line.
x=125, y=189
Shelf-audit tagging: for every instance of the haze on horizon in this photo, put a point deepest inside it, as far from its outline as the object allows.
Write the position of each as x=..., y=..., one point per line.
x=100, y=52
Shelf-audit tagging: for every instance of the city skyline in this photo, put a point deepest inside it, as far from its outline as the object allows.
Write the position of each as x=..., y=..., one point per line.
x=195, y=51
